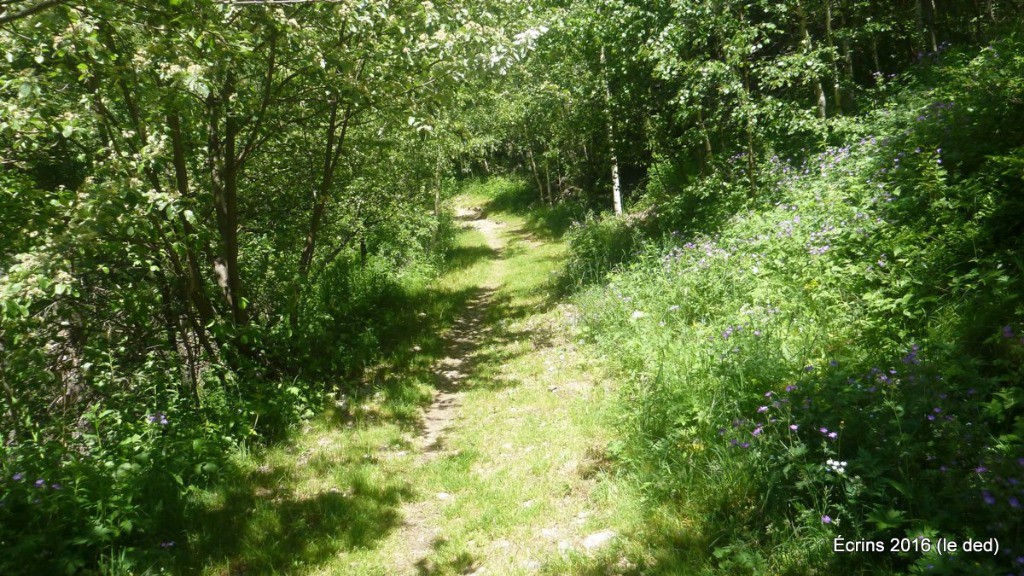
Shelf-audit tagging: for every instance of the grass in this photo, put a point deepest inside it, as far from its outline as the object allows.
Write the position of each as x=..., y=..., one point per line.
x=520, y=479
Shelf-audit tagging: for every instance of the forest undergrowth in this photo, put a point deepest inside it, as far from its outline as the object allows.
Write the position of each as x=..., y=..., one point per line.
x=838, y=354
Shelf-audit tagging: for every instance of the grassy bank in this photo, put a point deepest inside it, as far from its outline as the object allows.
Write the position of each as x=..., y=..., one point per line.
x=836, y=354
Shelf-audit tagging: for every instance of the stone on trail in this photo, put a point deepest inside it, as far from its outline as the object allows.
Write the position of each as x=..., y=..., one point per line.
x=598, y=539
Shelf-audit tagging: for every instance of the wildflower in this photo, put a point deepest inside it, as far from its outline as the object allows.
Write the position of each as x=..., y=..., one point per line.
x=55, y=486
x=762, y=409
x=833, y=435
x=745, y=445
x=826, y=519
x=637, y=314
x=757, y=432
x=40, y=483
x=988, y=497
x=809, y=368
x=1007, y=331
x=836, y=466
x=790, y=388
x=768, y=394
x=911, y=357
x=823, y=430
x=833, y=363
x=18, y=477
x=167, y=544
x=1014, y=502
x=981, y=469
x=794, y=426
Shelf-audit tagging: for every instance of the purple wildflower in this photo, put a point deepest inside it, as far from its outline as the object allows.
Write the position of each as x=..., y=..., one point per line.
x=40, y=483
x=757, y=431
x=1014, y=502
x=826, y=519
x=1007, y=331
x=988, y=497
x=833, y=435
x=762, y=409
x=18, y=477
x=794, y=426
x=809, y=368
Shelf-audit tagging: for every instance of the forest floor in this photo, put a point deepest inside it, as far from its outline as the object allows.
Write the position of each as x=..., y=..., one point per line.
x=505, y=470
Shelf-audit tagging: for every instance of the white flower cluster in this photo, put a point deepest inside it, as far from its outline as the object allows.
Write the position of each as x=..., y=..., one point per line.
x=836, y=466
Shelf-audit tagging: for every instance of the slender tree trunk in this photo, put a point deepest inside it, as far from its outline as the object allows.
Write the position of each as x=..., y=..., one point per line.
x=819, y=92
x=616, y=183
x=224, y=183
x=874, y=58
x=847, y=94
x=837, y=95
x=932, y=24
x=709, y=154
x=547, y=178
x=193, y=278
x=536, y=174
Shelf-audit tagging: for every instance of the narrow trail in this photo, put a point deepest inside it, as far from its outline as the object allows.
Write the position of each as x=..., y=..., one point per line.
x=509, y=466
x=460, y=343
x=482, y=449
x=420, y=523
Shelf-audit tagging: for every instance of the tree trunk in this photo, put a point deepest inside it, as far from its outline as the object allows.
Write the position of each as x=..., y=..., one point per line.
x=536, y=174
x=224, y=183
x=819, y=92
x=837, y=95
x=616, y=182
x=847, y=95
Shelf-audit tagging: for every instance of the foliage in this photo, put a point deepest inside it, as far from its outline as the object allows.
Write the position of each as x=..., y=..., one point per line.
x=208, y=213
x=842, y=357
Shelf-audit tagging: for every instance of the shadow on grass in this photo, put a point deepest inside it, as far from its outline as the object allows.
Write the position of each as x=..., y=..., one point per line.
x=549, y=222
x=449, y=561
x=258, y=526
x=255, y=523
x=461, y=257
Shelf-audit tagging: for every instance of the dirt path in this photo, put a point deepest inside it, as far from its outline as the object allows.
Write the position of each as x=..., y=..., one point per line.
x=419, y=529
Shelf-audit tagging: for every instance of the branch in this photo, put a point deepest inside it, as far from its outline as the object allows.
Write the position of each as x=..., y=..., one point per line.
x=30, y=11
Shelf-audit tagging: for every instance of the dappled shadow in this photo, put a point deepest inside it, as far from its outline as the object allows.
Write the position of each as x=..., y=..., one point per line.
x=460, y=563
x=548, y=222
x=257, y=525
x=460, y=257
